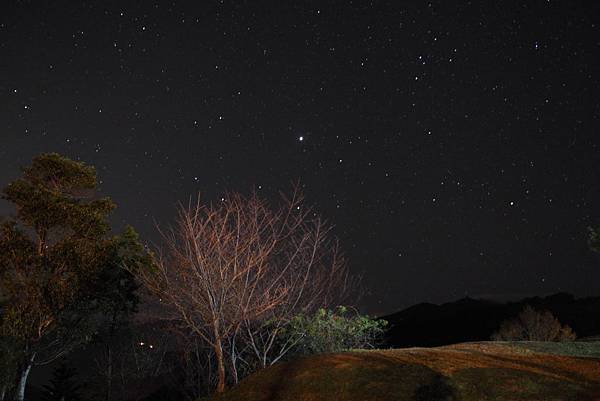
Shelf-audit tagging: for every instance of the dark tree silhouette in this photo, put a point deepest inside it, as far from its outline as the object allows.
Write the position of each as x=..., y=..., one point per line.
x=63, y=386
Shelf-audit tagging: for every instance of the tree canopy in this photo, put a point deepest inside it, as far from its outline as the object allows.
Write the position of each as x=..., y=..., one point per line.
x=60, y=269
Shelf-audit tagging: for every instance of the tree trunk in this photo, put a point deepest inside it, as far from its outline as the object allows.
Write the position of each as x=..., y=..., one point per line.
x=234, y=371
x=220, y=365
x=20, y=394
x=41, y=245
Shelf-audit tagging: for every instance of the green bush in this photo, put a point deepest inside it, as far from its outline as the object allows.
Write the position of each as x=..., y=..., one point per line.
x=333, y=331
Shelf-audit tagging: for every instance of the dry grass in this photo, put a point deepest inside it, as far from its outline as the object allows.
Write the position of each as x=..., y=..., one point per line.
x=466, y=372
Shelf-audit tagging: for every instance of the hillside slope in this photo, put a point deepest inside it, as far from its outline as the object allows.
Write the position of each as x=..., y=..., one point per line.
x=428, y=325
x=466, y=372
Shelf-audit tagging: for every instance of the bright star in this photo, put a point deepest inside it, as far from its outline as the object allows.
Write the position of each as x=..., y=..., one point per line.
x=300, y=138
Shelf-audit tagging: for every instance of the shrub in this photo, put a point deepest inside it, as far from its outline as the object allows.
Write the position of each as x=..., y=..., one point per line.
x=533, y=325
x=333, y=331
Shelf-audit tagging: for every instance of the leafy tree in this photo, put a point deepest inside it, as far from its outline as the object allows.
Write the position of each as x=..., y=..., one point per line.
x=333, y=331
x=118, y=300
x=62, y=385
x=60, y=270
x=533, y=325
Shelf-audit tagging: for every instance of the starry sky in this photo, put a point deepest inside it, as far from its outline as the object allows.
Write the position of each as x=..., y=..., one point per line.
x=453, y=145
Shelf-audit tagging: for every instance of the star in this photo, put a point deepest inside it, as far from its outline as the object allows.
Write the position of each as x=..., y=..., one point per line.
x=368, y=116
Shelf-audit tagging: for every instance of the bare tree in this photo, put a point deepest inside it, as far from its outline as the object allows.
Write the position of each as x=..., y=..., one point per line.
x=533, y=325
x=320, y=279
x=232, y=266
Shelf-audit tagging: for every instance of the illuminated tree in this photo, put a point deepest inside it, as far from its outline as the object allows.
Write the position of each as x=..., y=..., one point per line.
x=232, y=266
x=58, y=264
x=333, y=331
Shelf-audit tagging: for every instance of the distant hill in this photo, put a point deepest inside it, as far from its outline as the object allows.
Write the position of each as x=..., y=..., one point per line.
x=470, y=319
x=466, y=372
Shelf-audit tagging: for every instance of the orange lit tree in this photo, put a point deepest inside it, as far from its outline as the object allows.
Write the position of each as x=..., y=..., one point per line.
x=60, y=270
x=235, y=271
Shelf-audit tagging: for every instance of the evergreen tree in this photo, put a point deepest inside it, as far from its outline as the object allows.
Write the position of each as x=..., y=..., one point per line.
x=60, y=270
x=63, y=386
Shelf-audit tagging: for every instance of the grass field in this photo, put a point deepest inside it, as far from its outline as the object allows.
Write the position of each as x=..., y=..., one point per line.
x=465, y=372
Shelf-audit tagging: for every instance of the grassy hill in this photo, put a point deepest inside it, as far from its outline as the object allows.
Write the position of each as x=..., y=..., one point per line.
x=466, y=372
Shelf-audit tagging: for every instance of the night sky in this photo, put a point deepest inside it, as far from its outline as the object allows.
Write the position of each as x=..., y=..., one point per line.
x=454, y=145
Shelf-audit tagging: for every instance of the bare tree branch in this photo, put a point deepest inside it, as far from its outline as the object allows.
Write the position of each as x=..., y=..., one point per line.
x=230, y=268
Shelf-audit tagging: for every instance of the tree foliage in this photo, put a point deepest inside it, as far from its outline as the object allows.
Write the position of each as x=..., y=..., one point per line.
x=333, y=331
x=594, y=239
x=60, y=270
x=533, y=325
